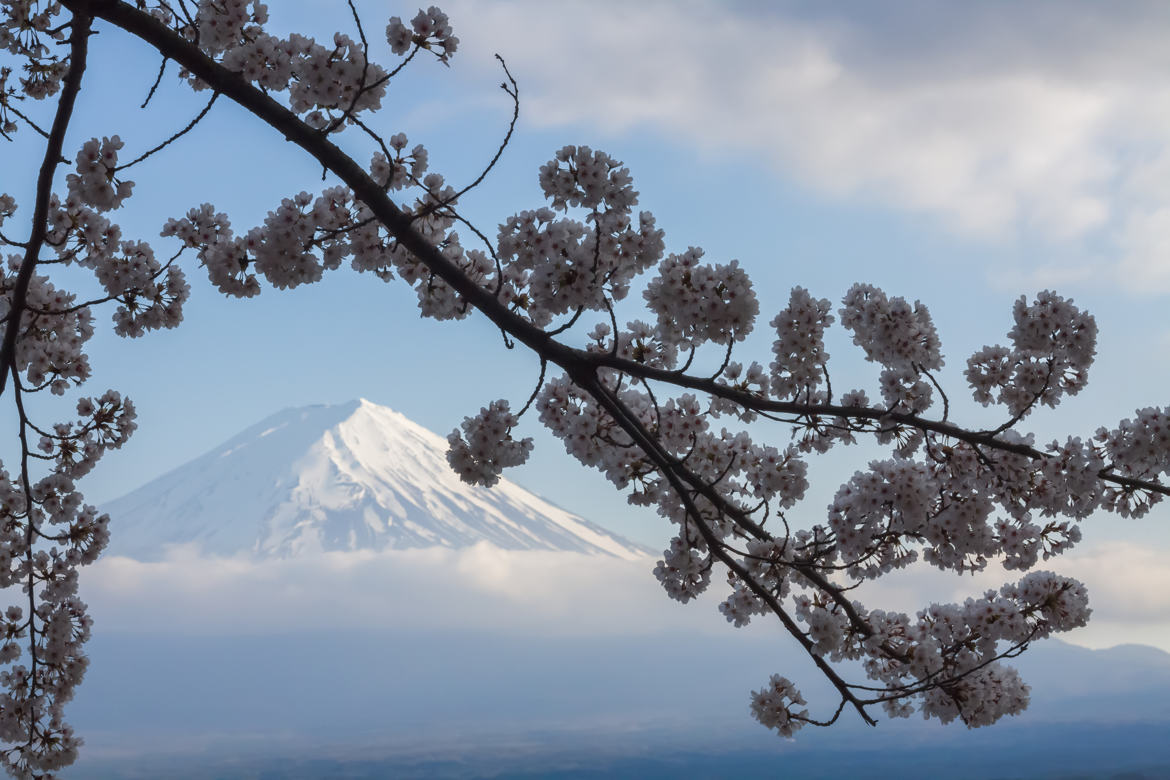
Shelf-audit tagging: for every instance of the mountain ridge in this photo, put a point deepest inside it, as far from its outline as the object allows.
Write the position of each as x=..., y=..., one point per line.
x=339, y=477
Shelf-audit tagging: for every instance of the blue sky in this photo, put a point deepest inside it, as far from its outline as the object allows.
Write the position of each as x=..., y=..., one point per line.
x=962, y=154
x=955, y=154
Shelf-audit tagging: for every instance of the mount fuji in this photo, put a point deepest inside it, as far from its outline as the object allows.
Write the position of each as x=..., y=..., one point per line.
x=354, y=476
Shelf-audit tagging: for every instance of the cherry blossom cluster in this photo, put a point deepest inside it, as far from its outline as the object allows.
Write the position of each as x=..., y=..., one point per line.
x=683, y=572
x=898, y=336
x=221, y=25
x=948, y=654
x=875, y=511
x=486, y=447
x=280, y=249
x=220, y=251
x=28, y=29
x=151, y=294
x=50, y=353
x=638, y=342
x=1053, y=345
x=1138, y=446
x=327, y=84
x=397, y=172
x=773, y=706
x=1141, y=446
x=1067, y=483
x=699, y=302
x=429, y=29
x=305, y=236
x=106, y=424
x=800, y=364
x=752, y=379
x=960, y=643
x=552, y=266
x=320, y=80
x=580, y=176
x=94, y=183
x=947, y=504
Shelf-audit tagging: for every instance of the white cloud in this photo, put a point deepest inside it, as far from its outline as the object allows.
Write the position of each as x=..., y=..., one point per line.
x=229, y=656
x=1147, y=243
x=544, y=593
x=1051, y=119
x=480, y=587
x=1128, y=584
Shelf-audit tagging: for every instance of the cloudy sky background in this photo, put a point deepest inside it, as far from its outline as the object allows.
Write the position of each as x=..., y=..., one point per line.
x=961, y=154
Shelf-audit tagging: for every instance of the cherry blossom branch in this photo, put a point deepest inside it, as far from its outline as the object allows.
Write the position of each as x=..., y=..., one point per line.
x=400, y=225
x=71, y=85
x=813, y=410
x=29, y=538
x=431, y=258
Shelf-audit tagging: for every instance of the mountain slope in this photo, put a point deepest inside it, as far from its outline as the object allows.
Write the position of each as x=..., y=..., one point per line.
x=345, y=477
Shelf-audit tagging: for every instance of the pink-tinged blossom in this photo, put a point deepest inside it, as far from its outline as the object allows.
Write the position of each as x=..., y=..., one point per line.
x=799, y=367
x=889, y=330
x=697, y=302
x=684, y=572
x=1053, y=346
x=1138, y=446
x=979, y=698
x=429, y=29
x=773, y=706
x=579, y=176
x=485, y=447
x=555, y=265
x=900, y=337
x=223, y=24
x=95, y=183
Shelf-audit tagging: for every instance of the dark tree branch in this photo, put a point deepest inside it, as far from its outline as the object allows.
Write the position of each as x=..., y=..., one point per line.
x=78, y=50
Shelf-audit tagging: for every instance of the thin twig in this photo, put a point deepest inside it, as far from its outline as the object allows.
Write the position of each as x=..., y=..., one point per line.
x=190, y=126
x=162, y=66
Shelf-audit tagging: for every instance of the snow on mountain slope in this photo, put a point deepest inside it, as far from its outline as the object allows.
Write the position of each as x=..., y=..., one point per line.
x=345, y=477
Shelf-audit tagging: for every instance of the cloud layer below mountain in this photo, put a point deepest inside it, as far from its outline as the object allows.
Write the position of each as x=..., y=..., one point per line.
x=548, y=593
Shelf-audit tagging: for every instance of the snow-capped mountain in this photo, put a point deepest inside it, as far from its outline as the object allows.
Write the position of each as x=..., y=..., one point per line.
x=345, y=477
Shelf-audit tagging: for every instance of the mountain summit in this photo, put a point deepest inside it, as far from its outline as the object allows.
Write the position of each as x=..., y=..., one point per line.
x=354, y=476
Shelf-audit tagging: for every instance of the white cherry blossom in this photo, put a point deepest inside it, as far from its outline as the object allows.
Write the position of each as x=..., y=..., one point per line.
x=663, y=406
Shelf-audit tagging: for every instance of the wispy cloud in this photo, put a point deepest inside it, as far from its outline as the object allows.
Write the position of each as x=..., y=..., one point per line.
x=1051, y=118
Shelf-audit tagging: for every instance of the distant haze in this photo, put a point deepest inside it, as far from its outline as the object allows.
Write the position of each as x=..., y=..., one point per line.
x=321, y=597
